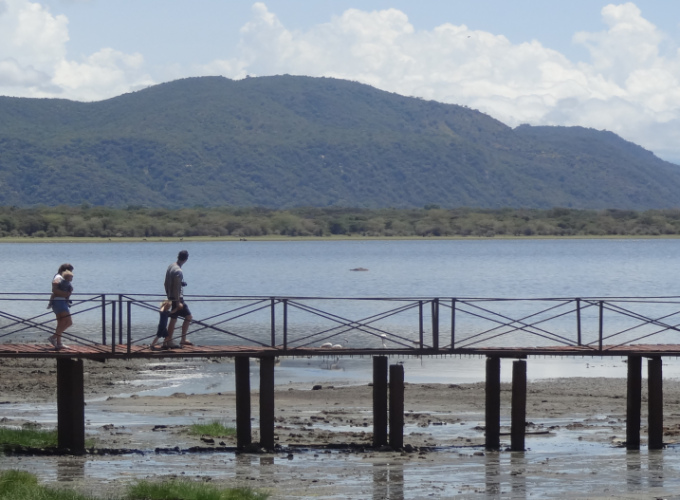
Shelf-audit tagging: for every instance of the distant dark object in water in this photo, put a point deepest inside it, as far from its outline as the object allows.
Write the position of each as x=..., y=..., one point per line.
x=359, y=269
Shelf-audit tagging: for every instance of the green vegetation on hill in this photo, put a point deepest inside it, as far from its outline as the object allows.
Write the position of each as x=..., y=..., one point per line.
x=103, y=222
x=285, y=141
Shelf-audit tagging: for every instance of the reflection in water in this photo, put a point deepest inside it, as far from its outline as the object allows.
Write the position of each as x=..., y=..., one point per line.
x=266, y=472
x=380, y=487
x=633, y=470
x=396, y=485
x=655, y=465
x=493, y=475
x=72, y=469
x=518, y=470
x=244, y=464
x=388, y=481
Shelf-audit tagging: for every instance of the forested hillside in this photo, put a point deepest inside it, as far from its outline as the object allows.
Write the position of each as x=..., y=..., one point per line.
x=286, y=141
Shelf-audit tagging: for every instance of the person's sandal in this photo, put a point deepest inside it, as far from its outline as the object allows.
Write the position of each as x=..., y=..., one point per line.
x=186, y=343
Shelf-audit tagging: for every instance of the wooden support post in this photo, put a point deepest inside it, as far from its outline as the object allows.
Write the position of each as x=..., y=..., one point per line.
x=242, y=376
x=519, y=405
x=267, y=403
x=655, y=403
x=493, y=403
x=70, y=406
x=633, y=403
x=397, y=406
x=379, y=400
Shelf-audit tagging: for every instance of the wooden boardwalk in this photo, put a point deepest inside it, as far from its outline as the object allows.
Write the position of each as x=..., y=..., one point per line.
x=98, y=351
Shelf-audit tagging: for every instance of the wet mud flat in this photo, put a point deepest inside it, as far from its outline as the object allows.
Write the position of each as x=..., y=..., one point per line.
x=601, y=473
x=576, y=427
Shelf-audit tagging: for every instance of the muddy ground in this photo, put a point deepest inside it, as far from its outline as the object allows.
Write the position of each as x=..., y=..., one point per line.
x=444, y=424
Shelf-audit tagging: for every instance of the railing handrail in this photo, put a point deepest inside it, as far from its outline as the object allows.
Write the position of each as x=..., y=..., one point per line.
x=425, y=333
x=607, y=298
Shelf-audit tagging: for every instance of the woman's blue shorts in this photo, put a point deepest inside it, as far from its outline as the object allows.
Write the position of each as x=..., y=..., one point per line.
x=60, y=306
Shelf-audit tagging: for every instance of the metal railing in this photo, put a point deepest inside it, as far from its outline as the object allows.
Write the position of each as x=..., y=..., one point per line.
x=123, y=322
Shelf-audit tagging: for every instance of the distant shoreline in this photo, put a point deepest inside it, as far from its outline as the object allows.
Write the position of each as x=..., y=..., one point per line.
x=200, y=239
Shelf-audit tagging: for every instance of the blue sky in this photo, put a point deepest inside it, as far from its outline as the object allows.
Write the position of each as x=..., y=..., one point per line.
x=606, y=65
x=170, y=31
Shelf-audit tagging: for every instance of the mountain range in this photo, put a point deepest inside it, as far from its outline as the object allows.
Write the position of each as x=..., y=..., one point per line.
x=290, y=141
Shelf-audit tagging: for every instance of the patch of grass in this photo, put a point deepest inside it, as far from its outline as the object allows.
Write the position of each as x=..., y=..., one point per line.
x=28, y=436
x=19, y=485
x=189, y=490
x=33, y=437
x=212, y=429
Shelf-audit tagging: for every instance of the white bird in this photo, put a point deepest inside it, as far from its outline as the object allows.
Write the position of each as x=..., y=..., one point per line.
x=383, y=337
x=326, y=345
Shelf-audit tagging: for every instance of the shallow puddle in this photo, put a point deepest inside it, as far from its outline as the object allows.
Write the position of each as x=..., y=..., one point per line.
x=592, y=471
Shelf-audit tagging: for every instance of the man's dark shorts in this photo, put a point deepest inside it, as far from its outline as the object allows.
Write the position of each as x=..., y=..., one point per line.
x=183, y=311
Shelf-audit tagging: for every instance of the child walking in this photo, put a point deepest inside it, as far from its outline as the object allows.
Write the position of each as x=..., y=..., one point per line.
x=162, y=331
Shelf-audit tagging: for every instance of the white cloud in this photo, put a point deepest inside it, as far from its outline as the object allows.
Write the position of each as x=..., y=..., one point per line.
x=33, y=61
x=627, y=86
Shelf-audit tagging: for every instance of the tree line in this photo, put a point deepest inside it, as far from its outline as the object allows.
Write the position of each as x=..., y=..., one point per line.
x=430, y=221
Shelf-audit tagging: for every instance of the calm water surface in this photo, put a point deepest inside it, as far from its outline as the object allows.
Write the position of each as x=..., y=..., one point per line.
x=474, y=268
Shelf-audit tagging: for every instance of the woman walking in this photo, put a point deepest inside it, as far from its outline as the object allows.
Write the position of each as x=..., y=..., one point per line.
x=61, y=291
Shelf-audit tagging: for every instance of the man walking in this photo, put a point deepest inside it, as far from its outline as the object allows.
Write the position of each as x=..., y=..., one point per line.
x=174, y=283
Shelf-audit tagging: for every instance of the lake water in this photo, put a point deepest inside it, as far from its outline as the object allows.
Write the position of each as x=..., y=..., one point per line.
x=428, y=268
x=412, y=269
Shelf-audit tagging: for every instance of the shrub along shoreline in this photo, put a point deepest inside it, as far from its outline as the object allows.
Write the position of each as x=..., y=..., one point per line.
x=139, y=223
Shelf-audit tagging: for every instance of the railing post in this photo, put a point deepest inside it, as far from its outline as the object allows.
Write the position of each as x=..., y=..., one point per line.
x=601, y=323
x=273, y=311
x=453, y=324
x=113, y=326
x=420, y=323
x=129, y=326
x=103, y=319
x=578, y=322
x=285, y=324
x=435, y=323
x=120, y=319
